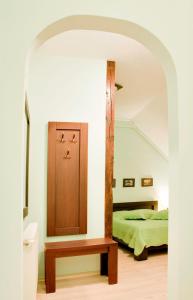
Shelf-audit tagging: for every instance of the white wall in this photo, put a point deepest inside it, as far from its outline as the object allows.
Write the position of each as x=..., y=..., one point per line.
x=69, y=90
x=171, y=23
x=135, y=157
x=11, y=192
x=153, y=122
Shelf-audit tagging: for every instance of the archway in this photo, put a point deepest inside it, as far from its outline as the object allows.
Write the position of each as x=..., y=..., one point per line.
x=141, y=35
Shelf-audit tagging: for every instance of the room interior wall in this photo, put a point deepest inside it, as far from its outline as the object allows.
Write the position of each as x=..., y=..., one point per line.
x=135, y=157
x=153, y=122
x=170, y=22
x=11, y=118
x=67, y=90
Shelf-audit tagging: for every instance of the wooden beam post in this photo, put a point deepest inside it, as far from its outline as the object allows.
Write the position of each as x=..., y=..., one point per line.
x=110, y=95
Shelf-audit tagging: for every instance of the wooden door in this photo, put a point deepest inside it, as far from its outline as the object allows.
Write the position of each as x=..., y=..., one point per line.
x=67, y=178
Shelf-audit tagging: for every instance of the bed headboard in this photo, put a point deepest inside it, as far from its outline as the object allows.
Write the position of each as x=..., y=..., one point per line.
x=135, y=205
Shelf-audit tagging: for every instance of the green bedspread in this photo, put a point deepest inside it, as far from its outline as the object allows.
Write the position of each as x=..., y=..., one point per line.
x=138, y=234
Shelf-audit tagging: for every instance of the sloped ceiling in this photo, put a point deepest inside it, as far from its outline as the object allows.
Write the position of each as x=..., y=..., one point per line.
x=143, y=99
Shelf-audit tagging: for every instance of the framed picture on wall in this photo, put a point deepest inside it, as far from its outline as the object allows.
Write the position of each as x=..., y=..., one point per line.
x=146, y=182
x=128, y=182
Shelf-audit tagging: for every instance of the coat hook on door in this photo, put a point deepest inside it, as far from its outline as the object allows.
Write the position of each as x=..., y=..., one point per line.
x=73, y=139
x=67, y=155
x=62, y=140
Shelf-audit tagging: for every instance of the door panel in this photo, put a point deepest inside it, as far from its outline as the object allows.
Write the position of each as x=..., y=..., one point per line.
x=67, y=178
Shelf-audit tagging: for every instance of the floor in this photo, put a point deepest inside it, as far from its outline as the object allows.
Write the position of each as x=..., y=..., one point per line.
x=136, y=280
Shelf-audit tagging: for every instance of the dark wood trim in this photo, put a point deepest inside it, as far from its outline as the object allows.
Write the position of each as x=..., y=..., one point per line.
x=135, y=205
x=110, y=94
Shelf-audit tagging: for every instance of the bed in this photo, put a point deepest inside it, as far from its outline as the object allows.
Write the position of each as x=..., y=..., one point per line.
x=140, y=234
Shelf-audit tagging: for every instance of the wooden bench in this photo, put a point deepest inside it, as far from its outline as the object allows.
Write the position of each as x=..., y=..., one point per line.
x=107, y=248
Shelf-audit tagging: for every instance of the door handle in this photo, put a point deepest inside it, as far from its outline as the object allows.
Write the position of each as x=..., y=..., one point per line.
x=28, y=243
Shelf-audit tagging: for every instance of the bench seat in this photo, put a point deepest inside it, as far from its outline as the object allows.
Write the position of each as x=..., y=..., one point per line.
x=106, y=247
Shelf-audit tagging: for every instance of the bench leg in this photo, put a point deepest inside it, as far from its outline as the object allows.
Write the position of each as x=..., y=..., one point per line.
x=104, y=263
x=113, y=263
x=50, y=273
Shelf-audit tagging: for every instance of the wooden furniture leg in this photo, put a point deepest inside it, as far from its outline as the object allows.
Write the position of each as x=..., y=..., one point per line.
x=104, y=264
x=107, y=248
x=112, y=263
x=50, y=273
x=143, y=255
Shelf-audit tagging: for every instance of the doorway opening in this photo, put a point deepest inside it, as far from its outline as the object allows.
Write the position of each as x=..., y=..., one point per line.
x=141, y=162
x=124, y=29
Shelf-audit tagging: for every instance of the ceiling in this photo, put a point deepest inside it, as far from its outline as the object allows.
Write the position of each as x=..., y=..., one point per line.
x=143, y=99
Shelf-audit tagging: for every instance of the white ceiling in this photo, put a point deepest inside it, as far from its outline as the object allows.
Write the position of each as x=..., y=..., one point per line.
x=143, y=97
